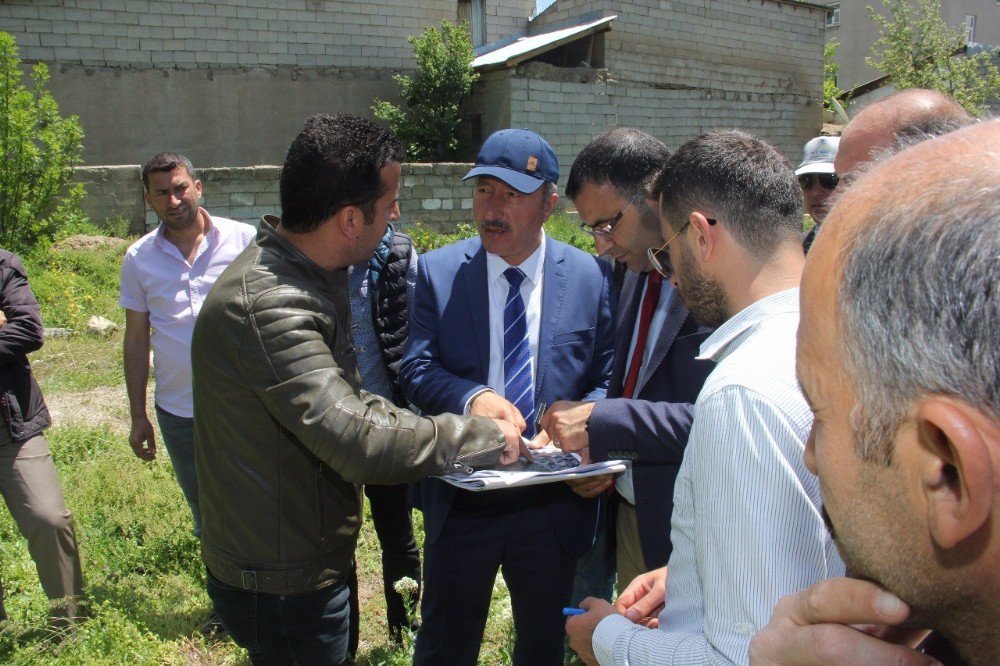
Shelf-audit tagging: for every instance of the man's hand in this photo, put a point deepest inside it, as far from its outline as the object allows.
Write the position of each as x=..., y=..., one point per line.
x=516, y=448
x=580, y=628
x=643, y=599
x=813, y=627
x=491, y=405
x=591, y=486
x=141, y=438
x=565, y=423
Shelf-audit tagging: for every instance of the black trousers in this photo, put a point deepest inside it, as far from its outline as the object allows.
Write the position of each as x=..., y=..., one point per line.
x=391, y=515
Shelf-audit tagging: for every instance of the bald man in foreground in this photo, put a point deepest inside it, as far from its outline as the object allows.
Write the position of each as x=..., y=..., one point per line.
x=916, y=112
x=903, y=374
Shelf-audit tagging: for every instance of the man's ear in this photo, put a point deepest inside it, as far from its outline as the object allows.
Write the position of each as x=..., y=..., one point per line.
x=197, y=187
x=959, y=458
x=706, y=234
x=148, y=199
x=349, y=220
x=550, y=204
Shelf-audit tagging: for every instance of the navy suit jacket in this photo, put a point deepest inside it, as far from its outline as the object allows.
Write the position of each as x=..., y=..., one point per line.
x=448, y=355
x=652, y=429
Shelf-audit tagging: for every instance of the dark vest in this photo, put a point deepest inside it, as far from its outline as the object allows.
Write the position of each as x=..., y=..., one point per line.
x=390, y=306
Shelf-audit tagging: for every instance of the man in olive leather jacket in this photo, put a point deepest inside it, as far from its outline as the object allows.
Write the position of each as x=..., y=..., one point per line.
x=283, y=432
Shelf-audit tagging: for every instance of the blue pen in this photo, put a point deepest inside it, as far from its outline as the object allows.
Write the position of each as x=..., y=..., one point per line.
x=574, y=611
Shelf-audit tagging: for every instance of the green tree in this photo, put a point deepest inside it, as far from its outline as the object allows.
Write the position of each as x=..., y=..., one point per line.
x=38, y=150
x=919, y=50
x=428, y=125
x=830, y=70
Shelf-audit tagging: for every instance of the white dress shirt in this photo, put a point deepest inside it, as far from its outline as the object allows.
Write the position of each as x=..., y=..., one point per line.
x=624, y=484
x=158, y=280
x=746, y=528
x=531, y=293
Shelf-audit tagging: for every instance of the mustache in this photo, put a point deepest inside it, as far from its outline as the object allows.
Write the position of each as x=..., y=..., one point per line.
x=494, y=225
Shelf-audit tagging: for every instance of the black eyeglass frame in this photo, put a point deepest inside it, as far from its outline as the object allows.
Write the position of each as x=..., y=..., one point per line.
x=604, y=229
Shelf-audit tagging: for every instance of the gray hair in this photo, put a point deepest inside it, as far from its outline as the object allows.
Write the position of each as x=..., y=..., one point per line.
x=920, y=306
x=740, y=179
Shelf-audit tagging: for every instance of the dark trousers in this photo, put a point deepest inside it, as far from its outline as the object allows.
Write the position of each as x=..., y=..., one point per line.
x=392, y=517
x=304, y=629
x=484, y=532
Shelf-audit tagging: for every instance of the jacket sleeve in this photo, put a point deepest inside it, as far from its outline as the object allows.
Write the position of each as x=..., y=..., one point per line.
x=426, y=383
x=604, y=340
x=22, y=333
x=364, y=437
x=652, y=432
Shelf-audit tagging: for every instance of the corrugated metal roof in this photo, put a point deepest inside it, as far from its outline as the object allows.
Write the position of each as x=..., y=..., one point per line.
x=511, y=54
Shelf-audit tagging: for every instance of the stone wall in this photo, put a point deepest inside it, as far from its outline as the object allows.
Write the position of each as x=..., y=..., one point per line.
x=432, y=194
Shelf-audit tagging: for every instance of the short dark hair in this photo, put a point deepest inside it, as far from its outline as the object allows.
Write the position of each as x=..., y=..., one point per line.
x=625, y=157
x=739, y=179
x=335, y=161
x=165, y=161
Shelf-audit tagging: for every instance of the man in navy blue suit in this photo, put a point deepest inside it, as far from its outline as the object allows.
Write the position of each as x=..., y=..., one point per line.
x=501, y=325
x=655, y=380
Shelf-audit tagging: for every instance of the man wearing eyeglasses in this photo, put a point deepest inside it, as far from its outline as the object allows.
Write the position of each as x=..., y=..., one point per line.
x=747, y=526
x=655, y=378
x=818, y=181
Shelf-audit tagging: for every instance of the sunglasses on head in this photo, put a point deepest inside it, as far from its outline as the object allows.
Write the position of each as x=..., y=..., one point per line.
x=827, y=180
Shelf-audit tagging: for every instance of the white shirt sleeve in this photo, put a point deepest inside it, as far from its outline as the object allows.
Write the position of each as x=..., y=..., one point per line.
x=132, y=295
x=756, y=533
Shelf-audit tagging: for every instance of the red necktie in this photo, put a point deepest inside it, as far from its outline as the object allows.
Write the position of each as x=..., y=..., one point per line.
x=649, y=301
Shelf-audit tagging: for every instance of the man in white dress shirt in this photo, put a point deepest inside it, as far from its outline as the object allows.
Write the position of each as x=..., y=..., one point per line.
x=747, y=526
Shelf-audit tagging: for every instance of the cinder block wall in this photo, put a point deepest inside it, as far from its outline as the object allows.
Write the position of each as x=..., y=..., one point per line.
x=432, y=194
x=678, y=68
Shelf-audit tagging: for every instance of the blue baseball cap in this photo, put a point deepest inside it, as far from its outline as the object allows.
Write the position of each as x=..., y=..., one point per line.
x=518, y=157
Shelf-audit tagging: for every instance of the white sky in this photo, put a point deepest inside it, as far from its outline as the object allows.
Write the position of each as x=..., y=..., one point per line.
x=540, y=5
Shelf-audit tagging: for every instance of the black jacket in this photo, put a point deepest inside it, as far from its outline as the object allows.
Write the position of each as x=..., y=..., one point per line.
x=387, y=272
x=21, y=404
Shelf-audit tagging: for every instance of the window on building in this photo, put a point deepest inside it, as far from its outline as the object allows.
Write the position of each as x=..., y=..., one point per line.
x=585, y=52
x=472, y=11
x=970, y=27
x=833, y=15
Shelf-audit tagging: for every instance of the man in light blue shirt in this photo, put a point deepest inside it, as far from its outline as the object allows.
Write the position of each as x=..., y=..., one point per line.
x=747, y=526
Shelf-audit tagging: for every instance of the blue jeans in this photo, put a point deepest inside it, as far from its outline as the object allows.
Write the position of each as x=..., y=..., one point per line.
x=178, y=437
x=307, y=628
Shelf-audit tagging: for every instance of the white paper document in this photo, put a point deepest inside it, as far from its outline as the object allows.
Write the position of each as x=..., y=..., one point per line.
x=548, y=465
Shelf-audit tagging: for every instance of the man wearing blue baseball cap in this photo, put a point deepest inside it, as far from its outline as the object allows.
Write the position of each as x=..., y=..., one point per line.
x=502, y=325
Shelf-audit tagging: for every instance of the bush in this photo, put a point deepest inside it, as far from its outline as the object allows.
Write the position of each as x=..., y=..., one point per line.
x=73, y=285
x=428, y=125
x=560, y=226
x=38, y=150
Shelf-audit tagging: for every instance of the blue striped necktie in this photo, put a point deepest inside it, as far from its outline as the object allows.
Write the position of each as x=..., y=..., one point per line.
x=517, y=385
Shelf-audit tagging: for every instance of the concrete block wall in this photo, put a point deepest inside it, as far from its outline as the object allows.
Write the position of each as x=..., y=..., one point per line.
x=676, y=68
x=432, y=194
x=223, y=82
x=568, y=116
x=185, y=34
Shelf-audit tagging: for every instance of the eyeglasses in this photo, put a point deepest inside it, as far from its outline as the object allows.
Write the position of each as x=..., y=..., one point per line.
x=604, y=229
x=827, y=180
x=659, y=257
